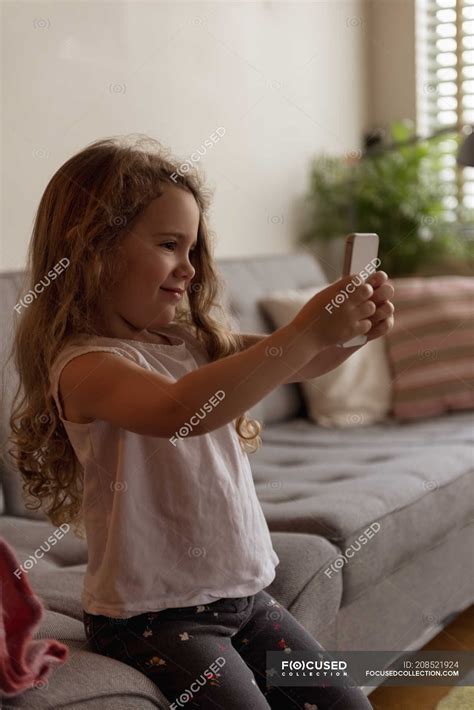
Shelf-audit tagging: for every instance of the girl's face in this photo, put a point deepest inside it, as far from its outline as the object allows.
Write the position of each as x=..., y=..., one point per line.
x=157, y=255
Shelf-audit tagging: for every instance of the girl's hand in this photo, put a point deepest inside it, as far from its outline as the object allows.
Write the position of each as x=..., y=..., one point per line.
x=382, y=320
x=336, y=314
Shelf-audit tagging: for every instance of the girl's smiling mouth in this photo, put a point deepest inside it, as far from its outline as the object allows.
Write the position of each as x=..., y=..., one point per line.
x=173, y=293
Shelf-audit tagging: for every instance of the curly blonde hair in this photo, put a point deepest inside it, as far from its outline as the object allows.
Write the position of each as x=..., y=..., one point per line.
x=87, y=208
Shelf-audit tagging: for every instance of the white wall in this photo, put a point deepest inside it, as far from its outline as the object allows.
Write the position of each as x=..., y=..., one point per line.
x=286, y=80
x=392, y=66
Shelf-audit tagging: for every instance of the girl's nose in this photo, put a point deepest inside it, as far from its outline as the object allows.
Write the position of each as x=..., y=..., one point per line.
x=186, y=269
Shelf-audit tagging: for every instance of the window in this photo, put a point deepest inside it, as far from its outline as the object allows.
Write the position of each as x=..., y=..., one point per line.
x=445, y=92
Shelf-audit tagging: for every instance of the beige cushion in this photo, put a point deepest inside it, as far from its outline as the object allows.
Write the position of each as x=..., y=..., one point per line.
x=356, y=393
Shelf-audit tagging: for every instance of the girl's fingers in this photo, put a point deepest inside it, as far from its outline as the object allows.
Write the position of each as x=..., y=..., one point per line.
x=377, y=279
x=385, y=325
x=361, y=293
x=383, y=311
x=383, y=293
x=357, y=289
x=366, y=309
x=382, y=328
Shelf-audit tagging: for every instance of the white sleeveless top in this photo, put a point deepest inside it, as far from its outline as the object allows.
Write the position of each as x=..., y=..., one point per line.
x=167, y=525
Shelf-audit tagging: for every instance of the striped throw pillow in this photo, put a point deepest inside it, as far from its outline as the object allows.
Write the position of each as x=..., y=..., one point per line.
x=431, y=345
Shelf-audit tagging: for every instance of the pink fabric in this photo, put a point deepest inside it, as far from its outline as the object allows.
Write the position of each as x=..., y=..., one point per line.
x=23, y=662
x=431, y=346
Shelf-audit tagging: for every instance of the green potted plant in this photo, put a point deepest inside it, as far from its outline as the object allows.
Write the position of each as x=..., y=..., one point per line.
x=396, y=193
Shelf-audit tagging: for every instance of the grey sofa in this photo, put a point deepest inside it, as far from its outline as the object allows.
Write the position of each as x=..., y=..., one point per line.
x=320, y=489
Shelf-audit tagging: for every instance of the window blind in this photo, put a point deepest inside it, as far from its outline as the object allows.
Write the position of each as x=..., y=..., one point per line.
x=445, y=92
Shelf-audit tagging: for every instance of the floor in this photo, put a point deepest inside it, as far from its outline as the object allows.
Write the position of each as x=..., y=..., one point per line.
x=459, y=634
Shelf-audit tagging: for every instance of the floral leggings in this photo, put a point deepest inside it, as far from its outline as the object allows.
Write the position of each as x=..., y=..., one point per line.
x=220, y=650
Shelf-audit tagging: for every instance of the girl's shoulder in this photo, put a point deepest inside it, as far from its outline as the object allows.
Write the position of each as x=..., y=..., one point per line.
x=79, y=344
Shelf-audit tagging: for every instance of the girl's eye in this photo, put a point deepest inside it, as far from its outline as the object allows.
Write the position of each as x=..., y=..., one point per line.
x=166, y=245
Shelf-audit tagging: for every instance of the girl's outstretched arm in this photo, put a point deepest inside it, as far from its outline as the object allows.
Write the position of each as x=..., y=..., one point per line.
x=107, y=386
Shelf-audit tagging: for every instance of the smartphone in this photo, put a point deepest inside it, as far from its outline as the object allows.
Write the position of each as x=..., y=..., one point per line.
x=361, y=258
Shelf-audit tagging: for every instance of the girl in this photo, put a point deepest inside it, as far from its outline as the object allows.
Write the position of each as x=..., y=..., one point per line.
x=133, y=425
